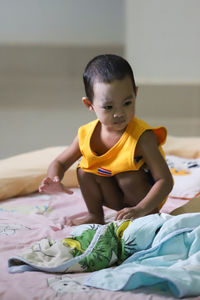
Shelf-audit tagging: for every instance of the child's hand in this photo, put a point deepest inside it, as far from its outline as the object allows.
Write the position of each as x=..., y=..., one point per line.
x=129, y=213
x=54, y=186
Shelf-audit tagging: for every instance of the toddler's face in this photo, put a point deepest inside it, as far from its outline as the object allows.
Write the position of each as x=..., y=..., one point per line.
x=114, y=103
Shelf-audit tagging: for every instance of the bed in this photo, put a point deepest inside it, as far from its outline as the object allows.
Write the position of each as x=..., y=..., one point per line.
x=27, y=217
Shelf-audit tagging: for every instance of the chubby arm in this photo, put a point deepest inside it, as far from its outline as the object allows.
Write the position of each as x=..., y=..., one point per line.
x=56, y=170
x=65, y=160
x=163, y=182
x=148, y=147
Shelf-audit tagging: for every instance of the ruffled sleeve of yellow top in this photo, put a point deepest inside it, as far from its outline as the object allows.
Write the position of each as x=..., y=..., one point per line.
x=120, y=157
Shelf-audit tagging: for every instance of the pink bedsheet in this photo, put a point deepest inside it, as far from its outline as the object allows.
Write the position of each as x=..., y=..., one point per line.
x=28, y=219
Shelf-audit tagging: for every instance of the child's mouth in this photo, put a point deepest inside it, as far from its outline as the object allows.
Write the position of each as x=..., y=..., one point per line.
x=119, y=122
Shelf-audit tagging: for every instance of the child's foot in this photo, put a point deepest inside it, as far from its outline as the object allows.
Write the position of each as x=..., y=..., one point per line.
x=89, y=219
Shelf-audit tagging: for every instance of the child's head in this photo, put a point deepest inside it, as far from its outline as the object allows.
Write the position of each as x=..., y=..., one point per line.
x=110, y=90
x=106, y=68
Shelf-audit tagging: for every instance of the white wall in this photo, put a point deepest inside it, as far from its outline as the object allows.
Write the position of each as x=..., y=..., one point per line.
x=72, y=22
x=163, y=40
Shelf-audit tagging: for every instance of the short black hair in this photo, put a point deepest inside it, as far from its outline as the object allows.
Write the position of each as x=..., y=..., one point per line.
x=106, y=68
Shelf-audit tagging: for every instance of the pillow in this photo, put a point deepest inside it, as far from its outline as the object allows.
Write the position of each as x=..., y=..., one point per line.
x=22, y=174
x=186, y=174
x=187, y=147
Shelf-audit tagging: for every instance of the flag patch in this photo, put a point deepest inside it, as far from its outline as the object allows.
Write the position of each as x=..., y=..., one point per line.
x=104, y=172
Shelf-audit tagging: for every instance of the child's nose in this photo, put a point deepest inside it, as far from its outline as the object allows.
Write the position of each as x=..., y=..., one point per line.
x=118, y=114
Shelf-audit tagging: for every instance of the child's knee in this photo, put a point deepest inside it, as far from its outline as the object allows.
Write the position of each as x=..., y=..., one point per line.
x=84, y=176
x=125, y=180
x=132, y=180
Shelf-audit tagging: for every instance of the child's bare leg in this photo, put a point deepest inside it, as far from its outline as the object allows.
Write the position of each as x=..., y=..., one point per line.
x=125, y=189
x=112, y=194
x=93, y=198
x=135, y=186
x=97, y=191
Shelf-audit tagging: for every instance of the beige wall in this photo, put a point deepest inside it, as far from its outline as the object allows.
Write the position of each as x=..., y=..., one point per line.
x=62, y=22
x=162, y=44
x=175, y=106
x=40, y=98
x=41, y=65
x=40, y=95
x=44, y=47
x=162, y=40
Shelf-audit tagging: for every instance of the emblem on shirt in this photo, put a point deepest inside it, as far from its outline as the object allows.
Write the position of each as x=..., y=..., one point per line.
x=105, y=172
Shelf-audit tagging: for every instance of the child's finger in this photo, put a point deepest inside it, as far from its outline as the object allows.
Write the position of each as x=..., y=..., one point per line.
x=43, y=181
x=41, y=188
x=126, y=216
x=119, y=215
x=46, y=180
x=68, y=191
x=56, y=179
x=69, y=222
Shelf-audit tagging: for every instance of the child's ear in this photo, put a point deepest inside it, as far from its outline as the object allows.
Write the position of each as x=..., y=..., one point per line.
x=137, y=90
x=87, y=103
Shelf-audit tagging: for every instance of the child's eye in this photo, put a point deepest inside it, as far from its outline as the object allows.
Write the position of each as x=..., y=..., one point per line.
x=127, y=103
x=107, y=107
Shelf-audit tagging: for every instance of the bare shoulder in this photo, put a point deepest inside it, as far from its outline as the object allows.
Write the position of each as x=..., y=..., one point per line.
x=147, y=143
x=149, y=150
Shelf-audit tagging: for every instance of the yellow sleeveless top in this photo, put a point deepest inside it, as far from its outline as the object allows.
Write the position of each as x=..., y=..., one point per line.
x=121, y=157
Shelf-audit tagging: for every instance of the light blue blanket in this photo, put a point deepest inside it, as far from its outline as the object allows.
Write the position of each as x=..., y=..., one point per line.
x=158, y=249
x=171, y=257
